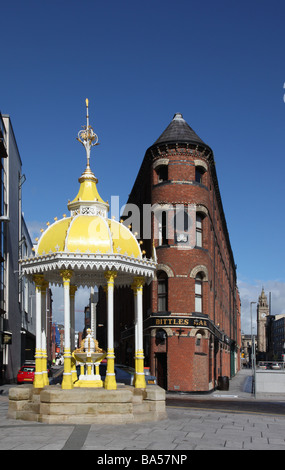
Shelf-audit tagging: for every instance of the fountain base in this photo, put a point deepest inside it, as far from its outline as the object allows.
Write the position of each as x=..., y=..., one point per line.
x=53, y=405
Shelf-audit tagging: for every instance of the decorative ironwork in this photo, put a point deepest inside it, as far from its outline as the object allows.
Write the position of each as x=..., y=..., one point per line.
x=87, y=136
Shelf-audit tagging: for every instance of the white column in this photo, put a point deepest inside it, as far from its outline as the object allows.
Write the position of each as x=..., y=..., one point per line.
x=139, y=336
x=137, y=287
x=110, y=307
x=73, y=289
x=38, y=380
x=44, y=331
x=93, y=313
x=67, y=376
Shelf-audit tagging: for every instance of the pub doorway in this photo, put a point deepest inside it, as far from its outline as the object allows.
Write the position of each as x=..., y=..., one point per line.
x=161, y=369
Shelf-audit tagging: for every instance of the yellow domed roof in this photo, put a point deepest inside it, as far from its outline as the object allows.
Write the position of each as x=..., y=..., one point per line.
x=88, y=234
x=53, y=239
x=87, y=240
x=88, y=230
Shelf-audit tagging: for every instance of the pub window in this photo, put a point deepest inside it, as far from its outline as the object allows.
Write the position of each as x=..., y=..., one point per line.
x=198, y=293
x=162, y=292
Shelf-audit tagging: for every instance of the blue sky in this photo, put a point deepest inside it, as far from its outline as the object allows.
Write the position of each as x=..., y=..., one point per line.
x=221, y=64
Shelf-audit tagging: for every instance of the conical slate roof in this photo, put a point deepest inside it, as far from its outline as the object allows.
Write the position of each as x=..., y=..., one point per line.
x=178, y=131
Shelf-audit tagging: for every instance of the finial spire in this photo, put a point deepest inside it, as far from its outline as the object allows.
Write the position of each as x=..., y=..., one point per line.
x=88, y=200
x=87, y=136
x=87, y=112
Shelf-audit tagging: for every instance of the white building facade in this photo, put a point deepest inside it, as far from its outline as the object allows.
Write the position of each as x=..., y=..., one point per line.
x=16, y=295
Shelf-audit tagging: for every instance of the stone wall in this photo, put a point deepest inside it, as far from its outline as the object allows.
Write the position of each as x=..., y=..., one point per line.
x=270, y=382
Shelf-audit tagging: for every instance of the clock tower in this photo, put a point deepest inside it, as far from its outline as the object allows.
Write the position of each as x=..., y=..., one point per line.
x=262, y=314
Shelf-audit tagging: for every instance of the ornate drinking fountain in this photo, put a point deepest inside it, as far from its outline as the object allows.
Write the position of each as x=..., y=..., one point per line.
x=87, y=249
x=89, y=356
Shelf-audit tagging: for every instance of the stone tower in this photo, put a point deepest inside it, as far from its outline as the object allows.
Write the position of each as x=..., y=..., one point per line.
x=262, y=314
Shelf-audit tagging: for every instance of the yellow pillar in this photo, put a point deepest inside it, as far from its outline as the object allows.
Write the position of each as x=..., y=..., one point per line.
x=139, y=380
x=89, y=366
x=73, y=369
x=38, y=380
x=110, y=380
x=67, y=383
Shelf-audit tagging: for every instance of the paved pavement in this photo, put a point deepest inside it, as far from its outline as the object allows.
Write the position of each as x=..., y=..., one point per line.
x=184, y=430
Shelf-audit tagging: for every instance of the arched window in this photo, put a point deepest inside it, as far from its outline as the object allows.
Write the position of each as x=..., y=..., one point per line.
x=162, y=173
x=199, y=293
x=160, y=167
x=162, y=292
x=160, y=336
x=200, y=217
x=162, y=234
x=198, y=338
x=199, y=172
x=199, y=230
x=182, y=224
x=164, y=239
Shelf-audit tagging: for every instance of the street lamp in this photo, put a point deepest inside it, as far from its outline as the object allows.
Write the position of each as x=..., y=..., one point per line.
x=252, y=352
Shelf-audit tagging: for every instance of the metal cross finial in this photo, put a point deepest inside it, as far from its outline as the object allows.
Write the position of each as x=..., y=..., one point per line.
x=87, y=136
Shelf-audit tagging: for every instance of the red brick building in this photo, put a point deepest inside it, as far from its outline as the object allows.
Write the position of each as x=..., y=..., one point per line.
x=192, y=308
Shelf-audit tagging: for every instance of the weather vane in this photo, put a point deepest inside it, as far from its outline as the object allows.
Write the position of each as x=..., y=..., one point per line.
x=87, y=136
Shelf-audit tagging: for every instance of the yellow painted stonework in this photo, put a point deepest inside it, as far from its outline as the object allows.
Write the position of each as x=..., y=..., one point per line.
x=139, y=380
x=110, y=379
x=38, y=379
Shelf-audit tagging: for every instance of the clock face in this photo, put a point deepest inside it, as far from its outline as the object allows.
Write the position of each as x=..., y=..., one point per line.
x=263, y=315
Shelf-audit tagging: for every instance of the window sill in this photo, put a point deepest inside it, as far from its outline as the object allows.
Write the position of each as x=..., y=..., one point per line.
x=160, y=314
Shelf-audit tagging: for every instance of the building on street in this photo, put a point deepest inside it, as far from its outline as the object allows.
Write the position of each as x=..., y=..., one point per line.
x=279, y=337
x=17, y=319
x=192, y=308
